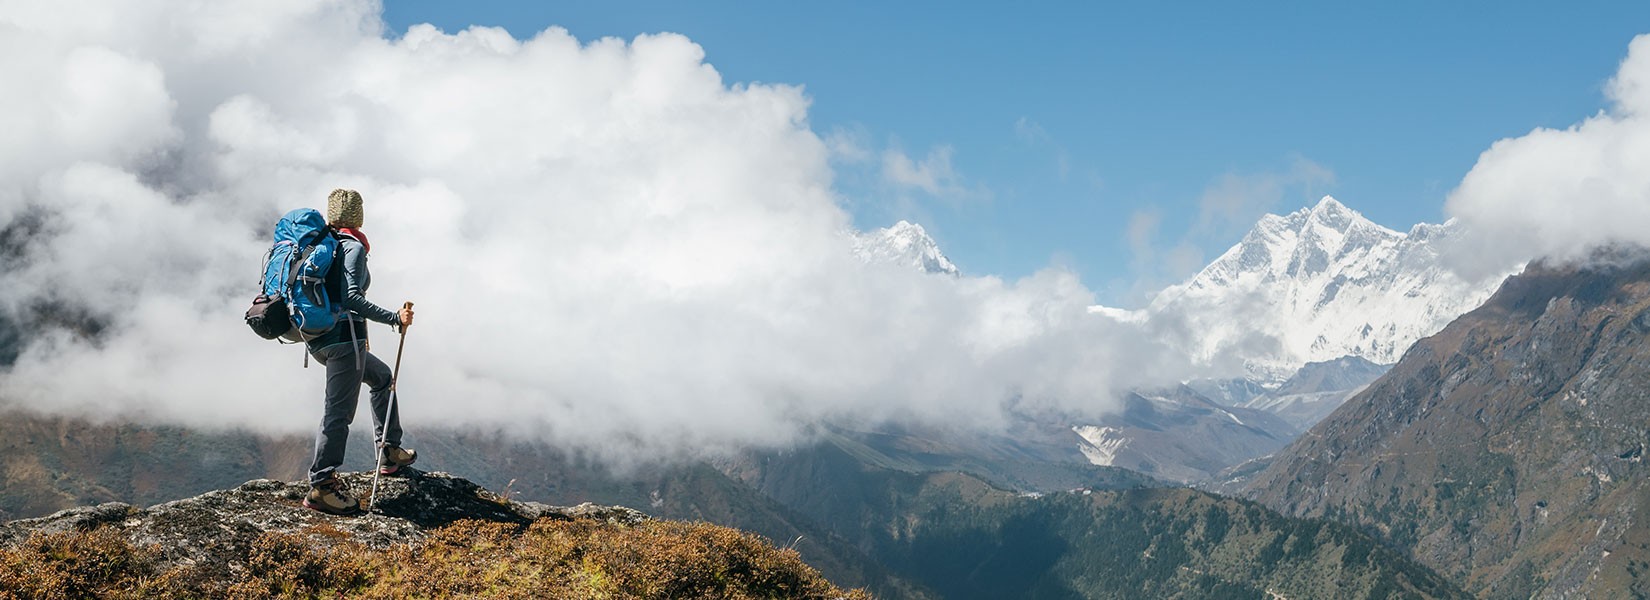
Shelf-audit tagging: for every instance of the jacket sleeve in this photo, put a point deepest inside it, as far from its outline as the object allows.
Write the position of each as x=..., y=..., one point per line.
x=355, y=271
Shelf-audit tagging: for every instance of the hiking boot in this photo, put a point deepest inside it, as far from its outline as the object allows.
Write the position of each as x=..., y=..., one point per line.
x=332, y=497
x=396, y=457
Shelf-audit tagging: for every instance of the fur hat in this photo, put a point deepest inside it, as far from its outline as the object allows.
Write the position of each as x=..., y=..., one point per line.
x=344, y=208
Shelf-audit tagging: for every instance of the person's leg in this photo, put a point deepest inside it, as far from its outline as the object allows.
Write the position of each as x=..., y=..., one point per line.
x=386, y=425
x=386, y=417
x=343, y=394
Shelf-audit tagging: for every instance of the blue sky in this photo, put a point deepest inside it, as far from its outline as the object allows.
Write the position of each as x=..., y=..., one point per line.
x=1099, y=136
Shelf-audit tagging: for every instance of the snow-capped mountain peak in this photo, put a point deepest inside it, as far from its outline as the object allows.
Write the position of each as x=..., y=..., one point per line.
x=905, y=243
x=1317, y=284
x=1331, y=213
x=1298, y=246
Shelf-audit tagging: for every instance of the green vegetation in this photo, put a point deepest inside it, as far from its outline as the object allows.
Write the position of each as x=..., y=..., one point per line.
x=1164, y=543
x=548, y=559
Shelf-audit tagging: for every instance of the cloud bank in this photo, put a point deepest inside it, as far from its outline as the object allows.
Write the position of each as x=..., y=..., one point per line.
x=611, y=248
x=1560, y=193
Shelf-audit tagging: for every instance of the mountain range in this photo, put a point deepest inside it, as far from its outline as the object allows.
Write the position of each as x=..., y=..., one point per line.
x=1309, y=306
x=1180, y=435
x=1315, y=285
x=1312, y=286
x=1313, y=306
x=1315, y=390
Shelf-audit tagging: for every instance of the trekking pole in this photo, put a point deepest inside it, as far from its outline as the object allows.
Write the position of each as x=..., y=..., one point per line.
x=395, y=378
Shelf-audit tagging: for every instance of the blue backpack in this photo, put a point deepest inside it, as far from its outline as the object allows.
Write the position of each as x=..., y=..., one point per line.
x=294, y=303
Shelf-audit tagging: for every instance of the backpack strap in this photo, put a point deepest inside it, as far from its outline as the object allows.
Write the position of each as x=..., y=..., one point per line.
x=297, y=260
x=335, y=274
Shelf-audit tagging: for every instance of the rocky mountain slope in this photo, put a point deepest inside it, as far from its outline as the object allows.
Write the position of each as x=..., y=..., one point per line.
x=1507, y=451
x=1179, y=435
x=1029, y=457
x=430, y=534
x=1316, y=390
x=1195, y=432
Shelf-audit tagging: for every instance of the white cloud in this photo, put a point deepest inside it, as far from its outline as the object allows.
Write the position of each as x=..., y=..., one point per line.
x=1154, y=265
x=1561, y=193
x=1238, y=199
x=1228, y=205
x=932, y=174
x=1029, y=131
x=1032, y=134
x=610, y=247
x=850, y=145
x=1141, y=231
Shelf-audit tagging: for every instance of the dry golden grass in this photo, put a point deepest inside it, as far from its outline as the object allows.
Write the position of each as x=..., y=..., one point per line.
x=98, y=564
x=580, y=559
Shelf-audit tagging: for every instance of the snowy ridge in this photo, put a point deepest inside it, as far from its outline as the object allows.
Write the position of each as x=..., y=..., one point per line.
x=903, y=244
x=1315, y=285
x=1102, y=443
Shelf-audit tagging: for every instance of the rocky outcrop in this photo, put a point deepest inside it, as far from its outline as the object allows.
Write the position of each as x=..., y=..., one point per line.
x=213, y=531
x=51, y=463
x=430, y=535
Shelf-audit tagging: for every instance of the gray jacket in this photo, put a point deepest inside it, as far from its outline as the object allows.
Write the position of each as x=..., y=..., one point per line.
x=349, y=280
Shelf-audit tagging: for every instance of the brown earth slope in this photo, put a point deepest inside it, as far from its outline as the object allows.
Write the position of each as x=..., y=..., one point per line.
x=1507, y=451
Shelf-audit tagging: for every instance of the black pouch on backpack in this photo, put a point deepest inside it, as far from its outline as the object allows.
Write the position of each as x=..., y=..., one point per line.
x=268, y=317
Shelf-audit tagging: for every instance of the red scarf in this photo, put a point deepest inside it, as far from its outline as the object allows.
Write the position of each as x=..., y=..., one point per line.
x=359, y=237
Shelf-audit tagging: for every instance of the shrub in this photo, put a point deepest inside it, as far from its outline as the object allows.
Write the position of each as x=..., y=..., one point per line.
x=95, y=564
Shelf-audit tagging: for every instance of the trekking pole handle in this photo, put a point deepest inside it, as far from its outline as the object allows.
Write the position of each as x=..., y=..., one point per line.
x=407, y=306
x=395, y=376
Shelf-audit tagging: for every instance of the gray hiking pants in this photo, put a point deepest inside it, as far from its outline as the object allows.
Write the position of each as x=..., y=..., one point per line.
x=346, y=371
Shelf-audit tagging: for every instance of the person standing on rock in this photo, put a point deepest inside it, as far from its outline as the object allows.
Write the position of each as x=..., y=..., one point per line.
x=349, y=364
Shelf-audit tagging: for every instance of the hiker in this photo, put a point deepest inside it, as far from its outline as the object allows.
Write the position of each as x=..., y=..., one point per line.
x=344, y=352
